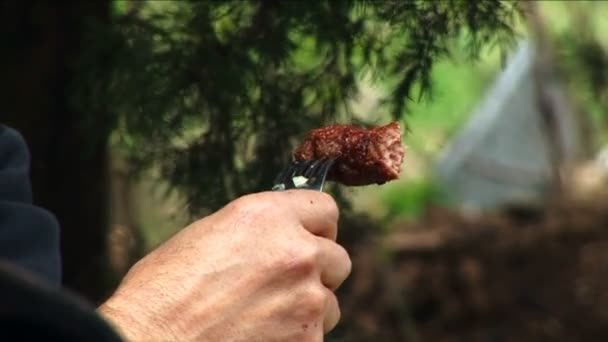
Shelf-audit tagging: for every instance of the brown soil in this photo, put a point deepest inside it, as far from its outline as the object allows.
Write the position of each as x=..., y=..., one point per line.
x=525, y=274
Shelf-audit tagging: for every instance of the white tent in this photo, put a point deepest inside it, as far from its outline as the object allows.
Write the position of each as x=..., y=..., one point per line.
x=503, y=154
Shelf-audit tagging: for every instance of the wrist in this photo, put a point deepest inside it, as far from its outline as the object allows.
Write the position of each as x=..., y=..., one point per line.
x=130, y=328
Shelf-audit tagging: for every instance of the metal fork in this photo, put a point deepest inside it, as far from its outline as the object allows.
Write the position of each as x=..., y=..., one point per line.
x=307, y=174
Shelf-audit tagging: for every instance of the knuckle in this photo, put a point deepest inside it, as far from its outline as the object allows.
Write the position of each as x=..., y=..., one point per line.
x=348, y=263
x=333, y=209
x=330, y=205
x=247, y=201
x=258, y=205
x=239, y=205
x=302, y=258
x=323, y=199
x=313, y=303
x=336, y=313
x=341, y=269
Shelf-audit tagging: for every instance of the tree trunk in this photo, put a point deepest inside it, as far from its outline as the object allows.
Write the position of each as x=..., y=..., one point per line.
x=43, y=41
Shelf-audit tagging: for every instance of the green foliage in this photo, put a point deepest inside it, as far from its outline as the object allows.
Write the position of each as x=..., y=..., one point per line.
x=411, y=199
x=216, y=94
x=583, y=58
x=420, y=33
x=434, y=121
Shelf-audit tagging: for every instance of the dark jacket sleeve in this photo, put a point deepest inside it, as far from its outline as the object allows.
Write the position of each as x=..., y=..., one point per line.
x=29, y=235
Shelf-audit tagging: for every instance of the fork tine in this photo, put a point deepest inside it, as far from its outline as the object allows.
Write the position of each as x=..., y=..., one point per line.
x=295, y=169
x=303, y=167
x=308, y=174
x=321, y=174
x=286, y=173
x=298, y=175
x=310, y=171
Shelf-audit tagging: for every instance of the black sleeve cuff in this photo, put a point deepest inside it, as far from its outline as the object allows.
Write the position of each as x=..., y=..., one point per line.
x=29, y=235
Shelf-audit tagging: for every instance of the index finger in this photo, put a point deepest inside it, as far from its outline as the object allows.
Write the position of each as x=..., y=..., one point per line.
x=317, y=211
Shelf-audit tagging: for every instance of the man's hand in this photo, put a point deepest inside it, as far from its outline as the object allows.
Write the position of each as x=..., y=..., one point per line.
x=263, y=268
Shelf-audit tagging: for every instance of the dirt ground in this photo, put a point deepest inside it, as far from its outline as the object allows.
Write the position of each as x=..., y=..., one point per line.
x=526, y=273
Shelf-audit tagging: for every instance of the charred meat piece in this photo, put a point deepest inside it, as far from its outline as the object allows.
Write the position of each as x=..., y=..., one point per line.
x=363, y=156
